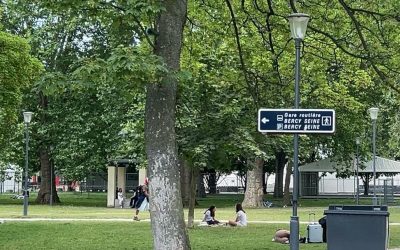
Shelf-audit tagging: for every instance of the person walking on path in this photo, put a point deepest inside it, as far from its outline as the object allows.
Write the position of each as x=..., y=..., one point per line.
x=121, y=198
x=142, y=203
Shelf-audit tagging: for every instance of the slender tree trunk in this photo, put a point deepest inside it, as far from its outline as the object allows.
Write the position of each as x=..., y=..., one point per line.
x=201, y=190
x=185, y=181
x=212, y=182
x=280, y=159
x=192, y=197
x=264, y=183
x=253, y=196
x=166, y=210
x=286, y=195
x=366, y=183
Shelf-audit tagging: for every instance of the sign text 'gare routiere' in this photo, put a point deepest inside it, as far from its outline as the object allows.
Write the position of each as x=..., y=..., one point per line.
x=301, y=121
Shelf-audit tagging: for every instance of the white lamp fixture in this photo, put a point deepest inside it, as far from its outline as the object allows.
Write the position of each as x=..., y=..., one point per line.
x=358, y=140
x=298, y=25
x=373, y=112
x=27, y=116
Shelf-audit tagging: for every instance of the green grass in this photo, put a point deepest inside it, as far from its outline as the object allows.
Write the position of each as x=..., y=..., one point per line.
x=137, y=235
x=93, y=205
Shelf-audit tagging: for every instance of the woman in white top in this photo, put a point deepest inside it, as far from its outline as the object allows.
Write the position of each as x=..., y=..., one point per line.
x=209, y=216
x=121, y=198
x=241, y=217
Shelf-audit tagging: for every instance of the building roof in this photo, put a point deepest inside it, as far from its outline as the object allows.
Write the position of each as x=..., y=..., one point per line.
x=382, y=165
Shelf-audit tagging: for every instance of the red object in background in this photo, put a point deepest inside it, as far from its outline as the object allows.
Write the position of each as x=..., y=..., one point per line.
x=57, y=181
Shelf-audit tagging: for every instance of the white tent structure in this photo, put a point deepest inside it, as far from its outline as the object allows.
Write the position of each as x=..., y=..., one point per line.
x=382, y=165
x=311, y=183
x=8, y=182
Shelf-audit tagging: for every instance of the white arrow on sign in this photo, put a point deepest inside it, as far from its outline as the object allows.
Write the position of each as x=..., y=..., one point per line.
x=264, y=120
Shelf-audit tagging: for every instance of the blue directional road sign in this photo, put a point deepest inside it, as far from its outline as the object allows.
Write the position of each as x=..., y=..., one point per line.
x=300, y=121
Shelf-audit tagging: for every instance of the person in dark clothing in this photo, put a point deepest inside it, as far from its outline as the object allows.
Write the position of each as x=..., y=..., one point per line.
x=142, y=200
x=322, y=222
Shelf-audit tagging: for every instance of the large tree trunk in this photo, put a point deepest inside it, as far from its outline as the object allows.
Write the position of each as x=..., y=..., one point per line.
x=286, y=195
x=185, y=181
x=280, y=159
x=166, y=210
x=253, y=196
x=47, y=183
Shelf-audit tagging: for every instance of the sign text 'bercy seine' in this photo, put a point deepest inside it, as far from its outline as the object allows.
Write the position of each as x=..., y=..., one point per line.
x=301, y=121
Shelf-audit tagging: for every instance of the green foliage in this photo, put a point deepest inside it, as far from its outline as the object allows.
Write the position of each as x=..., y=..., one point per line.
x=98, y=58
x=94, y=82
x=18, y=70
x=343, y=69
x=110, y=94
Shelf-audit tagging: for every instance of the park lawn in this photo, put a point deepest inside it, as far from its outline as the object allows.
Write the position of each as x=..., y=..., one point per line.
x=224, y=214
x=137, y=235
x=93, y=205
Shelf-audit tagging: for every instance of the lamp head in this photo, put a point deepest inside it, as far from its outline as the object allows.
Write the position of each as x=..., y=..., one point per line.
x=27, y=116
x=358, y=140
x=298, y=25
x=373, y=112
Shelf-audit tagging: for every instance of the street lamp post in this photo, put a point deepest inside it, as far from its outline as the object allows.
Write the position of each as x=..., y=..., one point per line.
x=357, y=164
x=298, y=26
x=27, y=120
x=373, y=112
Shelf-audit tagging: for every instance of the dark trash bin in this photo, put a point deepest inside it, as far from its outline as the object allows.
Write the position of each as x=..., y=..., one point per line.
x=357, y=227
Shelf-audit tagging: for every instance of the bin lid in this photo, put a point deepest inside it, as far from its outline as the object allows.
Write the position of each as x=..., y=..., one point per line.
x=357, y=212
x=358, y=207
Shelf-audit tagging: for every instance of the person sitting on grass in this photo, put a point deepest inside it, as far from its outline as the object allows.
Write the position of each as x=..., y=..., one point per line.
x=241, y=217
x=209, y=216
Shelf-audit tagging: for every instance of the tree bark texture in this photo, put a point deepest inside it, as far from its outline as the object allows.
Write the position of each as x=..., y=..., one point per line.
x=253, y=197
x=47, y=183
x=365, y=180
x=166, y=210
x=264, y=183
x=212, y=181
x=192, y=198
x=201, y=190
x=280, y=161
x=185, y=181
x=47, y=180
x=286, y=193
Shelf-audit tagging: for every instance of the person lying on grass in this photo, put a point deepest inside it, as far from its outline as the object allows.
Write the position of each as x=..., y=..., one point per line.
x=283, y=236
